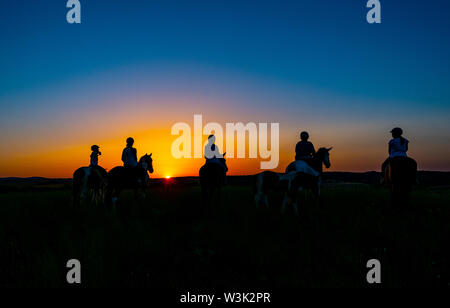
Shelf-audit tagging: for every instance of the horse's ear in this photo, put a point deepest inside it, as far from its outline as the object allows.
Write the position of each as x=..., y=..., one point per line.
x=224, y=154
x=329, y=149
x=150, y=154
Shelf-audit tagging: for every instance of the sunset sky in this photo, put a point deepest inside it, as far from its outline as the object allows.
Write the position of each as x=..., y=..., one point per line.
x=135, y=68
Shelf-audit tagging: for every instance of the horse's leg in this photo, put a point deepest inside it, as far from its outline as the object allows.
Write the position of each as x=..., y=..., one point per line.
x=109, y=197
x=258, y=189
x=219, y=198
x=203, y=192
x=294, y=200
x=294, y=204
x=210, y=200
x=94, y=196
x=114, y=198
x=144, y=192
x=257, y=199
x=266, y=200
x=285, y=201
x=102, y=194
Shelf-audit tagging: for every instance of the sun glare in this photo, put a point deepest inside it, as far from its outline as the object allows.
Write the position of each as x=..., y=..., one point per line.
x=167, y=176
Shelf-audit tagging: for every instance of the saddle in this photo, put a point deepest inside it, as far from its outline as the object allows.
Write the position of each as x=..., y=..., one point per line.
x=97, y=176
x=402, y=168
x=133, y=174
x=301, y=166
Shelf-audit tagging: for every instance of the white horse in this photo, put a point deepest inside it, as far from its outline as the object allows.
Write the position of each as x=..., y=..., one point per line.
x=89, y=180
x=299, y=175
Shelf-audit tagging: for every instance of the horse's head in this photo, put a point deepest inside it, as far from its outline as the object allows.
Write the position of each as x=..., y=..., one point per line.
x=323, y=154
x=146, y=162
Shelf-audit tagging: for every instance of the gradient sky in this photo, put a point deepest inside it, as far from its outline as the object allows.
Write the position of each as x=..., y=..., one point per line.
x=135, y=67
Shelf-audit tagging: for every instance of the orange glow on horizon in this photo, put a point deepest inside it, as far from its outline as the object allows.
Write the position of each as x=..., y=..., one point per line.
x=60, y=151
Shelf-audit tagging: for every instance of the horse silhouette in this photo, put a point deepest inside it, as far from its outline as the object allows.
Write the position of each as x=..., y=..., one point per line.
x=299, y=175
x=211, y=180
x=400, y=176
x=120, y=178
x=89, y=180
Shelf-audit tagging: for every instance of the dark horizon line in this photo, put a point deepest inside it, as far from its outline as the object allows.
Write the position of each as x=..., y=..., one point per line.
x=196, y=176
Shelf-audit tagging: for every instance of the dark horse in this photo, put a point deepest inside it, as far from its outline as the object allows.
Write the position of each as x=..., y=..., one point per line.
x=299, y=175
x=400, y=175
x=136, y=178
x=211, y=180
x=89, y=181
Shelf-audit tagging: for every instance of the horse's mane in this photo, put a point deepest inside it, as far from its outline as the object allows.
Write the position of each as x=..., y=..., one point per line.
x=321, y=152
x=143, y=157
x=322, y=149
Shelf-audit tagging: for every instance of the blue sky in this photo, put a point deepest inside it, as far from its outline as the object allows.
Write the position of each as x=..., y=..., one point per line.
x=322, y=44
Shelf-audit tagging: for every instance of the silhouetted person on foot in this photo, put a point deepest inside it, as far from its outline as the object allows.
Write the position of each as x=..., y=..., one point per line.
x=304, y=150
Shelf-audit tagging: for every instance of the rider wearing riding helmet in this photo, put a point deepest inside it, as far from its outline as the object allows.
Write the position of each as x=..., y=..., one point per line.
x=398, y=146
x=129, y=154
x=304, y=150
x=94, y=155
x=94, y=160
x=212, y=154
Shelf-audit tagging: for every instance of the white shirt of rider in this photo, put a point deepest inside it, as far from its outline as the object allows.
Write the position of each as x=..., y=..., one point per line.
x=397, y=148
x=210, y=153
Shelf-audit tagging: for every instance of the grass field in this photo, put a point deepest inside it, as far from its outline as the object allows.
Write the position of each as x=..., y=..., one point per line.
x=163, y=241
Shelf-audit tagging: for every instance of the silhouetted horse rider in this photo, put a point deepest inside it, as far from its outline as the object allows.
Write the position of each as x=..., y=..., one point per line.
x=213, y=173
x=213, y=156
x=129, y=154
x=89, y=179
x=94, y=160
x=98, y=174
x=399, y=171
x=304, y=150
x=129, y=159
x=398, y=146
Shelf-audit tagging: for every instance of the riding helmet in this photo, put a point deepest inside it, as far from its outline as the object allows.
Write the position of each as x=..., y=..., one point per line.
x=304, y=135
x=397, y=131
x=130, y=141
